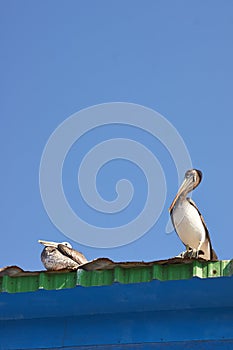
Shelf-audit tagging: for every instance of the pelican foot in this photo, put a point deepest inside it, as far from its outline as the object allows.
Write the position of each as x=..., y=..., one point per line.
x=194, y=254
x=187, y=254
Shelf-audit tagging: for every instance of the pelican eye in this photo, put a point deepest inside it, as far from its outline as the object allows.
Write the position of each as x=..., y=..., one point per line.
x=67, y=244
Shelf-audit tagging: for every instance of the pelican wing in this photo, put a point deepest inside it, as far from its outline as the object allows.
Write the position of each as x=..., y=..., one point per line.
x=207, y=244
x=72, y=254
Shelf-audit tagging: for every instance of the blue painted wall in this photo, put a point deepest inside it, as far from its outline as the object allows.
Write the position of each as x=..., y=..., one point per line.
x=190, y=314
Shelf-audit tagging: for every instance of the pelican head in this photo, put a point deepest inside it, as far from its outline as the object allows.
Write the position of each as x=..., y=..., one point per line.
x=53, y=244
x=192, y=179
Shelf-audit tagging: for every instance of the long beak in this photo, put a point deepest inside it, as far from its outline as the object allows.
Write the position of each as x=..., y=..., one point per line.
x=48, y=243
x=184, y=189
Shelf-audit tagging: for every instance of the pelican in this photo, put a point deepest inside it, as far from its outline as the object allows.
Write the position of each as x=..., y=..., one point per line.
x=57, y=256
x=188, y=221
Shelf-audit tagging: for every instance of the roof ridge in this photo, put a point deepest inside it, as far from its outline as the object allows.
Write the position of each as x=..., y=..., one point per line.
x=103, y=271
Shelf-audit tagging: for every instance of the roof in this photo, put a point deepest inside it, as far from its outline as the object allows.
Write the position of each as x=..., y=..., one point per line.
x=174, y=303
x=103, y=271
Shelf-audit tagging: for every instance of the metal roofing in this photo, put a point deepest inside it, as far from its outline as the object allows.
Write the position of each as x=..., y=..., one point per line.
x=103, y=271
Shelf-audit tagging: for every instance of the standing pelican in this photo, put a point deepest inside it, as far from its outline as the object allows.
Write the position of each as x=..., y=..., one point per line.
x=57, y=256
x=188, y=221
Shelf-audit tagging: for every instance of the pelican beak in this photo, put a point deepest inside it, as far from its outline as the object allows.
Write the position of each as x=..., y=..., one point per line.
x=184, y=188
x=48, y=243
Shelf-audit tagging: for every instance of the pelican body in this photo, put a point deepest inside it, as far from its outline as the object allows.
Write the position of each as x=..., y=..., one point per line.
x=188, y=221
x=57, y=256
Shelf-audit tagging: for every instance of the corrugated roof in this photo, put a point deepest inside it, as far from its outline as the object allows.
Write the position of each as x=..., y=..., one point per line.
x=103, y=271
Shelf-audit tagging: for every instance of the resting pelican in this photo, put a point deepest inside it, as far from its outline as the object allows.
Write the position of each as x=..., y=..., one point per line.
x=57, y=256
x=188, y=221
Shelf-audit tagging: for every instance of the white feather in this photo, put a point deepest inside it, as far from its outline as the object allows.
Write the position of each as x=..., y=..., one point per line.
x=188, y=224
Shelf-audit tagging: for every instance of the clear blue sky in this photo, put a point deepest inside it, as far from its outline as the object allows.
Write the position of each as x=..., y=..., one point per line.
x=58, y=57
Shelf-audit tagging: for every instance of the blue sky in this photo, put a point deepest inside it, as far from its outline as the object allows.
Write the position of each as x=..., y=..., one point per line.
x=58, y=57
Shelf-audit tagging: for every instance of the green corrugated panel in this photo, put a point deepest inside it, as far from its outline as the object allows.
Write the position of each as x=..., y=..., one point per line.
x=158, y=272
x=200, y=269
x=227, y=267
x=212, y=269
x=133, y=275
x=20, y=284
x=60, y=280
x=94, y=278
x=177, y=272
